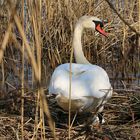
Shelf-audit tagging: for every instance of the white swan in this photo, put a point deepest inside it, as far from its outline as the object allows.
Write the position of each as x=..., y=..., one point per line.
x=90, y=87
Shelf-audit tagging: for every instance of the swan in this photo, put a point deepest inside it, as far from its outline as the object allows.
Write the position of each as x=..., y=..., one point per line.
x=90, y=85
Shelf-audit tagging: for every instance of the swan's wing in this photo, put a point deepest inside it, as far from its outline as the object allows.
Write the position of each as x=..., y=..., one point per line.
x=61, y=77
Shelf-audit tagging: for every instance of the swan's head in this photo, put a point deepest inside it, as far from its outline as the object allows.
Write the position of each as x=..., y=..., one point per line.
x=93, y=23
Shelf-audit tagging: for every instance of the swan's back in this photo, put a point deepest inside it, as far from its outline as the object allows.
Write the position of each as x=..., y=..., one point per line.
x=87, y=80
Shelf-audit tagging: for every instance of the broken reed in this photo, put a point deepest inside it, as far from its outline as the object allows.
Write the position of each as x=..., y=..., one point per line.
x=46, y=34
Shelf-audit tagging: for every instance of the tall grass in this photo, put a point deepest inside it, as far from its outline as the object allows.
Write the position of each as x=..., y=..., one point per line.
x=41, y=33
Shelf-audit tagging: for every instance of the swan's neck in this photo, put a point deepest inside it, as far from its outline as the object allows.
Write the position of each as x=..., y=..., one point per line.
x=77, y=45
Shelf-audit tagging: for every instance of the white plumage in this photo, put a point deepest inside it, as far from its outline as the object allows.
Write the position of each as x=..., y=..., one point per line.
x=90, y=85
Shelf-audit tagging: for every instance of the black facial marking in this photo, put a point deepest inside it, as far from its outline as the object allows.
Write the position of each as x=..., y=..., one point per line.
x=98, y=23
x=100, y=115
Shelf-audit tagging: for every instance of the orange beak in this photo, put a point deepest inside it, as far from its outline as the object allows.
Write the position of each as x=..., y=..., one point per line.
x=100, y=30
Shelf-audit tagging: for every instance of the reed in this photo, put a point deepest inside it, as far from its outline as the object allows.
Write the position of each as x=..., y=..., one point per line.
x=36, y=36
x=22, y=81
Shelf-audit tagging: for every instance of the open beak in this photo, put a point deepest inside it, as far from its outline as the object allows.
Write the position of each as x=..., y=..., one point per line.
x=100, y=30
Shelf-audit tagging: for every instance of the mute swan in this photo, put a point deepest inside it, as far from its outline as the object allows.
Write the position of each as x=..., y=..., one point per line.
x=90, y=86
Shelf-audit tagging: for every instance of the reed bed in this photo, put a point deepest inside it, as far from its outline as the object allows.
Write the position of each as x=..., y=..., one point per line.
x=35, y=37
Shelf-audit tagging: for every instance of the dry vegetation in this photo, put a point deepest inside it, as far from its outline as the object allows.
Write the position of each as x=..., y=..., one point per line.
x=35, y=37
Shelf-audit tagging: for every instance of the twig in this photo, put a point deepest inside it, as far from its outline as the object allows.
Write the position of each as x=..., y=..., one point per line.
x=126, y=90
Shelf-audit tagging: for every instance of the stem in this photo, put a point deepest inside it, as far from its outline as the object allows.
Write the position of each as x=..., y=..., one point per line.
x=22, y=77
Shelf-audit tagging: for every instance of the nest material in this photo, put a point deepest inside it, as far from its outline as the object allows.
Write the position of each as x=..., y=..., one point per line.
x=123, y=108
x=121, y=113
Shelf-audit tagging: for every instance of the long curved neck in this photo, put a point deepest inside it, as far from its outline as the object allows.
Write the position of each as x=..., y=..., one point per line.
x=77, y=45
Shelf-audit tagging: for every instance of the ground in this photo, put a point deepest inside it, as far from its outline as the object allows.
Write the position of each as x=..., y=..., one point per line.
x=121, y=114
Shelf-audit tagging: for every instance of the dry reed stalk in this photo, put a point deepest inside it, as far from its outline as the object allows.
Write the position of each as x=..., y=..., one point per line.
x=37, y=31
x=138, y=40
x=5, y=41
x=22, y=78
x=35, y=68
x=68, y=4
x=36, y=131
x=37, y=45
x=70, y=82
x=3, y=74
x=36, y=117
x=123, y=41
x=139, y=36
